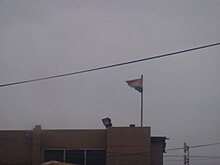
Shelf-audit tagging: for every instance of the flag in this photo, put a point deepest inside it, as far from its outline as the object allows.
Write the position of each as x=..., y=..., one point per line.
x=136, y=84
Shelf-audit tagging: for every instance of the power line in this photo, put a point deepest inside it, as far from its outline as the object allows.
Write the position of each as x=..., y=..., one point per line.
x=173, y=160
x=204, y=158
x=147, y=153
x=108, y=66
x=173, y=149
x=193, y=159
x=195, y=146
x=204, y=145
x=26, y=141
x=195, y=156
x=29, y=132
x=113, y=154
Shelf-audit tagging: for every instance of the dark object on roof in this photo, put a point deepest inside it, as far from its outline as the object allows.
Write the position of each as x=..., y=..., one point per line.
x=107, y=122
x=159, y=140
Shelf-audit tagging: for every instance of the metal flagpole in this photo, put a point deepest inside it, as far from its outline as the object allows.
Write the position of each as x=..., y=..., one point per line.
x=142, y=101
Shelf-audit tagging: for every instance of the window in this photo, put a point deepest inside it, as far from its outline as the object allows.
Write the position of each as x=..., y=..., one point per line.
x=75, y=156
x=95, y=157
x=80, y=157
x=57, y=155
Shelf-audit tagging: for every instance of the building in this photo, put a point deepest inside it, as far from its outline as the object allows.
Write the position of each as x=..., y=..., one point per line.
x=112, y=146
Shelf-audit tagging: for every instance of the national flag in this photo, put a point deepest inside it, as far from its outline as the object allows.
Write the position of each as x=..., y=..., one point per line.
x=136, y=84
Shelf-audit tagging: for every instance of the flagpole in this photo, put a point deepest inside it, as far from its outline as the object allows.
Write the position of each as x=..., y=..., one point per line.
x=142, y=102
x=137, y=84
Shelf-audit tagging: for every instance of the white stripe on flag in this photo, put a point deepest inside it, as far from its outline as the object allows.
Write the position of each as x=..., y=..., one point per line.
x=136, y=84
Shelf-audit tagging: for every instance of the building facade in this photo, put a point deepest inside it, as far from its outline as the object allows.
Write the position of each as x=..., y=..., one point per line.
x=112, y=146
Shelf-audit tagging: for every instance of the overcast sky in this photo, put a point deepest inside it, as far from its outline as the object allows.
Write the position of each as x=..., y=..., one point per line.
x=40, y=38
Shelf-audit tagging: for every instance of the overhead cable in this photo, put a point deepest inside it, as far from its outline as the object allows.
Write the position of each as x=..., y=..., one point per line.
x=195, y=146
x=108, y=66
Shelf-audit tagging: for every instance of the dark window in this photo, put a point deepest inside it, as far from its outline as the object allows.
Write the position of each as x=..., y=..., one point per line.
x=95, y=157
x=80, y=157
x=57, y=155
x=75, y=156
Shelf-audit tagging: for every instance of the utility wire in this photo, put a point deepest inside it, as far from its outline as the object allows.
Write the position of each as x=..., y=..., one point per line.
x=173, y=149
x=109, y=66
x=204, y=145
x=192, y=159
x=195, y=156
x=111, y=154
x=27, y=142
x=173, y=160
x=115, y=154
x=196, y=146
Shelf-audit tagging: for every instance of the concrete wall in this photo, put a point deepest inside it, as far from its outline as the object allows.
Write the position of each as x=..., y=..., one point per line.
x=128, y=146
x=36, y=146
x=124, y=145
x=76, y=139
x=15, y=147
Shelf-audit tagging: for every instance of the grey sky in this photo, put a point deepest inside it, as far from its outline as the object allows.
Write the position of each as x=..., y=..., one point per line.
x=41, y=38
